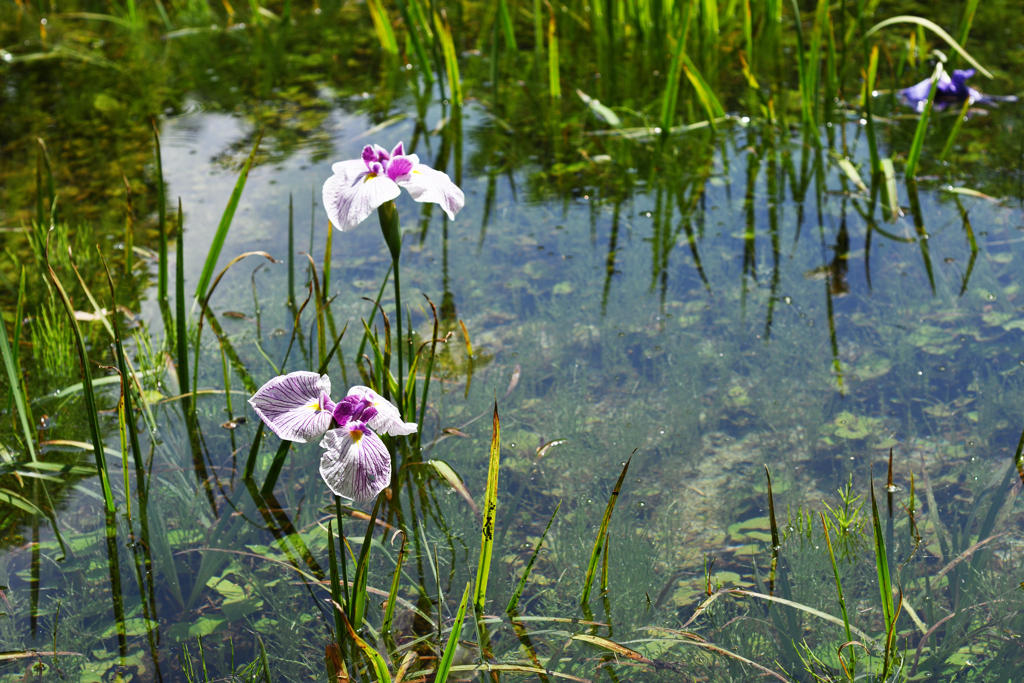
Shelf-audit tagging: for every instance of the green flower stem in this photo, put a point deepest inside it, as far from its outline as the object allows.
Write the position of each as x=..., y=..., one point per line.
x=392, y=229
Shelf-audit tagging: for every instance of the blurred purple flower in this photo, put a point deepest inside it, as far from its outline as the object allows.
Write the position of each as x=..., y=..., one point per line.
x=951, y=89
x=356, y=463
x=359, y=186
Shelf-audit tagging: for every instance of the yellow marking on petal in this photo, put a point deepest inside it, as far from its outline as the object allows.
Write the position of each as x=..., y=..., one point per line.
x=356, y=435
x=369, y=176
x=314, y=406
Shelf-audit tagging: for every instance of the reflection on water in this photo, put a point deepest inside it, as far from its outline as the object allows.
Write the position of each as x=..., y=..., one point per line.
x=710, y=303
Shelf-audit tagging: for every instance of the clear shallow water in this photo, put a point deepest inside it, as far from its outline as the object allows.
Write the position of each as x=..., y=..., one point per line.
x=773, y=349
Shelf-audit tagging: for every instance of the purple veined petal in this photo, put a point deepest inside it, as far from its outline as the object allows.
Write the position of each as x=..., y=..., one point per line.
x=398, y=151
x=382, y=154
x=355, y=463
x=349, y=202
x=387, y=420
x=369, y=155
x=399, y=167
x=293, y=407
x=427, y=185
x=348, y=170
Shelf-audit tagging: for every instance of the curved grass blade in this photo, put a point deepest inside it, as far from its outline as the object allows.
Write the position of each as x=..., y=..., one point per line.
x=884, y=580
x=445, y=665
x=225, y=225
x=203, y=307
x=490, y=517
x=514, y=601
x=595, y=554
x=934, y=28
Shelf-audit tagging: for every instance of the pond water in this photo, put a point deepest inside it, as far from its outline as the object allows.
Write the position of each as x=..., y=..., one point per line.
x=705, y=305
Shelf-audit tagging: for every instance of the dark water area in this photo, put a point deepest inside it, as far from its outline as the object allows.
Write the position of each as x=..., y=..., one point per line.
x=733, y=296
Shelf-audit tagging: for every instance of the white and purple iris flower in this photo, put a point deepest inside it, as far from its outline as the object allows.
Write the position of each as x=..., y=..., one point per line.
x=359, y=186
x=355, y=463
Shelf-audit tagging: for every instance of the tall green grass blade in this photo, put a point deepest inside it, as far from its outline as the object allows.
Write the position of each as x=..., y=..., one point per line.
x=538, y=27
x=869, y=88
x=914, y=155
x=274, y=471
x=708, y=101
x=934, y=28
x=161, y=212
x=91, y=409
x=413, y=28
x=11, y=365
x=224, y=226
x=554, y=77
x=451, y=62
x=882, y=568
x=595, y=553
x=382, y=26
x=291, y=254
x=748, y=30
x=254, y=450
x=839, y=588
x=389, y=609
x=960, y=118
x=801, y=65
x=889, y=173
x=129, y=399
x=514, y=600
x=490, y=517
x=430, y=368
x=444, y=667
x=181, y=322
x=508, y=30
x=337, y=598
x=358, y=608
x=122, y=431
x=966, y=21
x=671, y=96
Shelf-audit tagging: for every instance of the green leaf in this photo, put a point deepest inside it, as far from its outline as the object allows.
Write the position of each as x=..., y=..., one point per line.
x=225, y=225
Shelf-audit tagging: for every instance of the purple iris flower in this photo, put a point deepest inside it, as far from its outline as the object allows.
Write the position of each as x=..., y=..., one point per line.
x=355, y=463
x=359, y=186
x=949, y=90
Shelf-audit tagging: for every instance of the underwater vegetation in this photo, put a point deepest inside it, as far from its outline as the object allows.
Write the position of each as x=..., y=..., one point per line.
x=709, y=364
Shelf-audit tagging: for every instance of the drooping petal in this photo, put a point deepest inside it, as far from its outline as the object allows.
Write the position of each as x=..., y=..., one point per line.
x=293, y=405
x=355, y=463
x=387, y=420
x=427, y=185
x=349, y=201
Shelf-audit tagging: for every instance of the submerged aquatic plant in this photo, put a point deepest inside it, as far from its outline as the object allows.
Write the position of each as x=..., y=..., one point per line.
x=356, y=463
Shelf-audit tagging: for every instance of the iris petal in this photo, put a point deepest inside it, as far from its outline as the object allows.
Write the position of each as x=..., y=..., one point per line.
x=349, y=201
x=387, y=420
x=292, y=405
x=355, y=463
x=427, y=185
